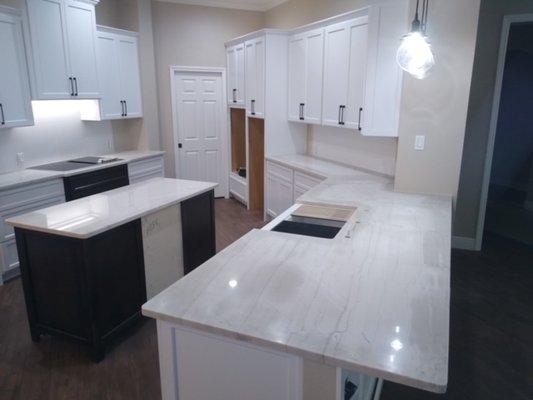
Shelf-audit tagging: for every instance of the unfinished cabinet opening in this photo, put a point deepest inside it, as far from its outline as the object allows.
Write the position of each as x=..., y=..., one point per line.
x=238, y=141
x=256, y=138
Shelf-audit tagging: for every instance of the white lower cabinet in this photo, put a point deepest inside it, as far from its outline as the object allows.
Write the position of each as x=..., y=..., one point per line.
x=21, y=200
x=284, y=186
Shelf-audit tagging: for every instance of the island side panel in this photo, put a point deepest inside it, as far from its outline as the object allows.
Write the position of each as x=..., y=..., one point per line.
x=198, y=365
x=163, y=249
x=198, y=226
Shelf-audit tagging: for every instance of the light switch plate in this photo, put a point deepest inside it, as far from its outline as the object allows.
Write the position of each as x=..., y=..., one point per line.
x=420, y=142
x=20, y=159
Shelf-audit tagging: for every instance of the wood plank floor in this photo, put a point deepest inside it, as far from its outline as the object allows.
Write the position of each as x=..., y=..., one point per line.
x=491, y=339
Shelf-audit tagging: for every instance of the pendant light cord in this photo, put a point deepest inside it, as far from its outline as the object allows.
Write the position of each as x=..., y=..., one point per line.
x=423, y=25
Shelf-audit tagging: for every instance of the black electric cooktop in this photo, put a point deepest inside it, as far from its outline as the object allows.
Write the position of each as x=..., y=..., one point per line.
x=76, y=163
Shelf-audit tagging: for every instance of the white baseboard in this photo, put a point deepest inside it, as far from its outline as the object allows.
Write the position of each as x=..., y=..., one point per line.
x=463, y=243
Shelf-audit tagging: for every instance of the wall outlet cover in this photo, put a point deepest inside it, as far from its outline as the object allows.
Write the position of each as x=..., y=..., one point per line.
x=420, y=142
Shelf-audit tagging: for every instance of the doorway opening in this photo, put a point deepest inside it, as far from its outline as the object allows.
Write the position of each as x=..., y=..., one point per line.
x=507, y=199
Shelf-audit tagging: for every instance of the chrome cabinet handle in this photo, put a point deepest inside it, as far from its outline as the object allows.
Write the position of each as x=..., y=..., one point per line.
x=252, y=106
x=234, y=95
x=75, y=86
x=302, y=111
x=125, y=108
x=359, y=123
x=71, y=85
x=3, y=116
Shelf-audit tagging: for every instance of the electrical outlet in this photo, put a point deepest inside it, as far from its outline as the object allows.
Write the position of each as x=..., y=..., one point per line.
x=20, y=159
x=420, y=142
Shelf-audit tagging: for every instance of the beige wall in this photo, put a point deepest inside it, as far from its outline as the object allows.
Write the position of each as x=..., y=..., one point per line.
x=192, y=36
x=436, y=106
x=480, y=108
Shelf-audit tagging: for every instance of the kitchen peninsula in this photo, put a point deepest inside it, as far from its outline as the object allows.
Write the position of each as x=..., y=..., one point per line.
x=89, y=264
x=290, y=317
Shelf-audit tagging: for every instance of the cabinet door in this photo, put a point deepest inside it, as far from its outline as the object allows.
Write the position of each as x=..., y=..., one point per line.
x=231, y=63
x=336, y=70
x=255, y=77
x=108, y=75
x=352, y=114
x=297, y=61
x=381, y=111
x=279, y=195
x=81, y=38
x=129, y=75
x=239, y=77
x=15, y=103
x=314, y=63
x=47, y=28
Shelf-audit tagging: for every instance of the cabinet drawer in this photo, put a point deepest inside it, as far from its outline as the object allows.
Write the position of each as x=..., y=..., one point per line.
x=238, y=188
x=6, y=231
x=145, y=176
x=279, y=171
x=32, y=193
x=143, y=167
x=305, y=181
x=99, y=181
x=8, y=256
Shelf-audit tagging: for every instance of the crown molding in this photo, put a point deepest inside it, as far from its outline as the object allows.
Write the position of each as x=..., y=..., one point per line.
x=264, y=5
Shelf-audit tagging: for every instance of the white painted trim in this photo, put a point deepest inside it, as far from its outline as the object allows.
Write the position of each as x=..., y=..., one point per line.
x=463, y=243
x=255, y=34
x=116, y=31
x=10, y=10
x=507, y=21
x=265, y=5
x=176, y=69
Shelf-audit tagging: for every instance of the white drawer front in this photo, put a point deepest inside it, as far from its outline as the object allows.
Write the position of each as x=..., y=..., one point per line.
x=238, y=188
x=6, y=231
x=32, y=193
x=146, y=167
x=145, y=176
x=8, y=256
x=305, y=181
x=280, y=171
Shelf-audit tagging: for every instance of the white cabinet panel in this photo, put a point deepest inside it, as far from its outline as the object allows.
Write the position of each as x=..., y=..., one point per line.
x=47, y=27
x=8, y=257
x=15, y=99
x=80, y=35
x=344, y=72
x=381, y=111
x=306, y=53
x=255, y=77
x=279, y=188
x=130, y=82
x=358, y=31
x=142, y=170
x=235, y=63
x=111, y=105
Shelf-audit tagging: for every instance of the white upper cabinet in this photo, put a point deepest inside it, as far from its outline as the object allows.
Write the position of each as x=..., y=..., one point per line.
x=388, y=22
x=63, y=34
x=235, y=63
x=306, y=55
x=254, y=64
x=344, y=72
x=119, y=75
x=15, y=99
x=130, y=82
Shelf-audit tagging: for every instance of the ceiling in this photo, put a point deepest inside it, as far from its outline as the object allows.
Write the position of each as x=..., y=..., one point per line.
x=254, y=5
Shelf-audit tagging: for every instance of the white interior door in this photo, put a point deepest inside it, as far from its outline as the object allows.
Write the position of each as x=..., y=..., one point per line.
x=198, y=116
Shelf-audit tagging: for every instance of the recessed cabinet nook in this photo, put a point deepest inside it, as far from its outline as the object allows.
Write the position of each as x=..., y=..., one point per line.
x=339, y=72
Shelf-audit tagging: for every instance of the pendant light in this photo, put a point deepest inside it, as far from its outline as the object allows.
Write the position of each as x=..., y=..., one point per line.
x=414, y=54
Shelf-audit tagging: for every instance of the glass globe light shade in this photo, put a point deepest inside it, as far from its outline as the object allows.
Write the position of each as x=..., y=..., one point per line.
x=414, y=55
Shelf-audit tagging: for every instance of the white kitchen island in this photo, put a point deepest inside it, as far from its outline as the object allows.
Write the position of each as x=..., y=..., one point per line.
x=281, y=316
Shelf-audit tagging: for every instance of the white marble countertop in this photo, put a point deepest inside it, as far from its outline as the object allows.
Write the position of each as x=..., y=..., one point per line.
x=24, y=176
x=98, y=213
x=375, y=302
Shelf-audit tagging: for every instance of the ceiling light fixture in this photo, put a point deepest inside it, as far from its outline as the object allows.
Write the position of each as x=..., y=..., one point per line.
x=414, y=54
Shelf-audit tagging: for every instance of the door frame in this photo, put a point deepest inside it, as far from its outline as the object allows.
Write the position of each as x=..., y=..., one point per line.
x=508, y=20
x=220, y=71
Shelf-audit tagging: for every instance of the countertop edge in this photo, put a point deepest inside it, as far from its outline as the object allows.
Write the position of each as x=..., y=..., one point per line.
x=334, y=362
x=111, y=226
